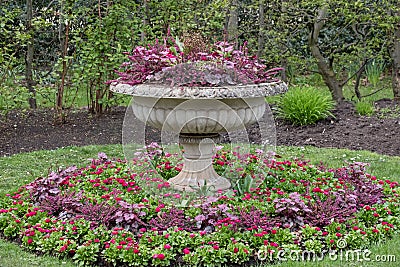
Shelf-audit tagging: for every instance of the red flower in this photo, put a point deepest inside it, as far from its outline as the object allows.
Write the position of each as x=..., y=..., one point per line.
x=273, y=231
x=376, y=214
x=338, y=234
x=220, y=163
x=235, y=250
x=136, y=251
x=186, y=251
x=30, y=241
x=216, y=247
x=317, y=190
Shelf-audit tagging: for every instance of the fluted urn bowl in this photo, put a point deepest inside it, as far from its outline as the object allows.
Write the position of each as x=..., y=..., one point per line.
x=199, y=115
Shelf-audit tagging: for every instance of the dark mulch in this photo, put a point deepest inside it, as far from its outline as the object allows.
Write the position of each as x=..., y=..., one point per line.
x=35, y=130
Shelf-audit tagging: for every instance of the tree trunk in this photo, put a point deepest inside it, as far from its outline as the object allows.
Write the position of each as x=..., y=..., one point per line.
x=233, y=22
x=63, y=36
x=145, y=20
x=261, y=41
x=325, y=69
x=29, y=55
x=396, y=63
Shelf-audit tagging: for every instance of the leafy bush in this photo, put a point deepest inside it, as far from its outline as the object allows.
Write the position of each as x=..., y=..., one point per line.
x=304, y=105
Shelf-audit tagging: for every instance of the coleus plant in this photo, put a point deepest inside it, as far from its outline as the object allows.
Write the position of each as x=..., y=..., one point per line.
x=171, y=63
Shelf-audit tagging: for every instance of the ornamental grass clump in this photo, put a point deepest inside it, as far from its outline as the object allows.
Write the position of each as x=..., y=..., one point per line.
x=102, y=216
x=175, y=63
x=305, y=106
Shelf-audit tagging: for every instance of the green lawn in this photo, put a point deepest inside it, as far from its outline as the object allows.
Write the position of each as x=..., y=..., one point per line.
x=22, y=168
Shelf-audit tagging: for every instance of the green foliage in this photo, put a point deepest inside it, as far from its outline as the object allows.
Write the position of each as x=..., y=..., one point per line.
x=304, y=105
x=99, y=31
x=365, y=108
x=12, y=94
x=374, y=70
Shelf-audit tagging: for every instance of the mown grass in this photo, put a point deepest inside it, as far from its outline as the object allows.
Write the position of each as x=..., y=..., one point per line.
x=22, y=168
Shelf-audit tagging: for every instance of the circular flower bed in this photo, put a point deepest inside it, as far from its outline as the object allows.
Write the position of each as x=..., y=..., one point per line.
x=104, y=214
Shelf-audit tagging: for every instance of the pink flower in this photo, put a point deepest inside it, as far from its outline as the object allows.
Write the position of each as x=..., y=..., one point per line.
x=273, y=244
x=216, y=247
x=235, y=250
x=186, y=251
x=159, y=256
x=30, y=240
x=167, y=246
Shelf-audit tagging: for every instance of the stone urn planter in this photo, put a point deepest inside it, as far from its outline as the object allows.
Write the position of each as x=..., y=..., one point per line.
x=199, y=115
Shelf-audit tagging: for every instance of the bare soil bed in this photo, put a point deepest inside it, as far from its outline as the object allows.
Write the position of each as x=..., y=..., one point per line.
x=35, y=130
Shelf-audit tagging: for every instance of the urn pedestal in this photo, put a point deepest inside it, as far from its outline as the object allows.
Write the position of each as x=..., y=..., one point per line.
x=199, y=115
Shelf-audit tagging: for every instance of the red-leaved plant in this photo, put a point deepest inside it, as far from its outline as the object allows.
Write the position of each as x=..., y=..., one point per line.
x=170, y=63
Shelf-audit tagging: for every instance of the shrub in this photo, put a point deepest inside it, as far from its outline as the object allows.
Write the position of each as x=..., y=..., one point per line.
x=374, y=70
x=304, y=105
x=365, y=108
